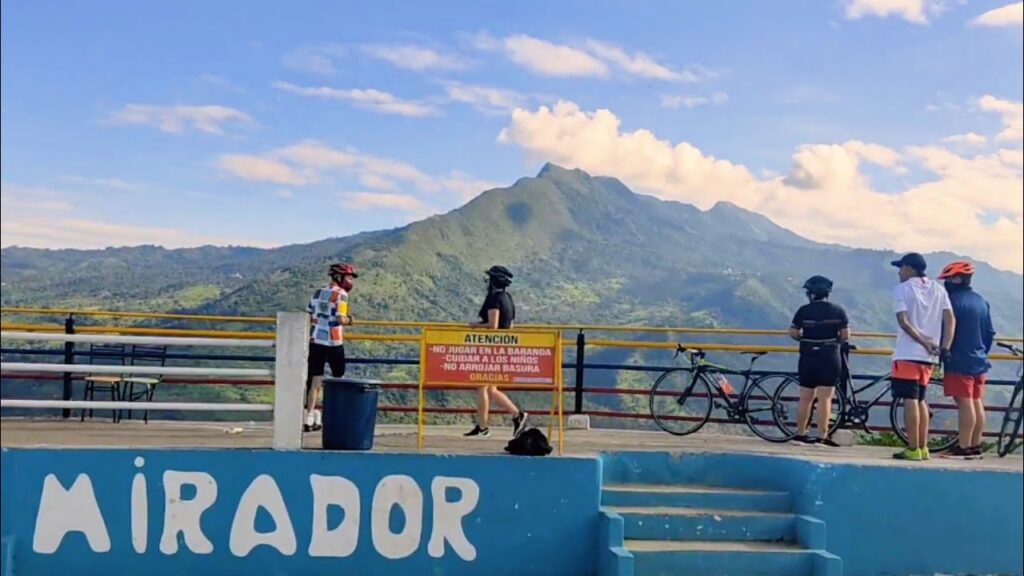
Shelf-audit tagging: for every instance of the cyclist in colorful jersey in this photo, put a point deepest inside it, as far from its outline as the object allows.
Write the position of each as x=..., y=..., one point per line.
x=497, y=313
x=822, y=328
x=328, y=309
x=967, y=363
x=926, y=325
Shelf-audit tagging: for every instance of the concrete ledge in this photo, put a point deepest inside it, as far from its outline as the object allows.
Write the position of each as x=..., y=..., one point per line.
x=7, y=556
x=810, y=533
x=614, y=559
x=826, y=564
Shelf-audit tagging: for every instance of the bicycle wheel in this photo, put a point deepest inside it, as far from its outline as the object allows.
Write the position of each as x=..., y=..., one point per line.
x=787, y=398
x=761, y=411
x=1010, y=429
x=943, y=430
x=680, y=402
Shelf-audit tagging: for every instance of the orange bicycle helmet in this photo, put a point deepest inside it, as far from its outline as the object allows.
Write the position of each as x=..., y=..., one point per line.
x=958, y=268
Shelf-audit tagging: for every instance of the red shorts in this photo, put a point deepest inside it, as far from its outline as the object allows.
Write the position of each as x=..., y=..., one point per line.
x=909, y=370
x=963, y=386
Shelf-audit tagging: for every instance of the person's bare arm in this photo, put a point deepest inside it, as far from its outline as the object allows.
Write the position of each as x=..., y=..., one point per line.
x=493, y=319
x=844, y=334
x=794, y=333
x=905, y=325
x=948, y=328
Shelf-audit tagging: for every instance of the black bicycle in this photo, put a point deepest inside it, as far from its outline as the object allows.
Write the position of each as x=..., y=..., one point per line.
x=1009, y=432
x=681, y=399
x=850, y=411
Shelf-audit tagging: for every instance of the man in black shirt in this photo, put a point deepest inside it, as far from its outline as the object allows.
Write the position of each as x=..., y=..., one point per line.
x=821, y=327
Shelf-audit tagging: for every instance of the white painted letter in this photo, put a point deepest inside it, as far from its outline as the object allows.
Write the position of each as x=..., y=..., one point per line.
x=185, y=516
x=140, y=509
x=341, y=541
x=62, y=511
x=262, y=493
x=448, y=517
x=402, y=491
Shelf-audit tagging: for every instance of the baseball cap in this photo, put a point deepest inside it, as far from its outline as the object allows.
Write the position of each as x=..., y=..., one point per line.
x=912, y=259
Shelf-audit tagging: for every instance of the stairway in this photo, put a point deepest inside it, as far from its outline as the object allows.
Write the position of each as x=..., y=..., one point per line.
x=694, y=530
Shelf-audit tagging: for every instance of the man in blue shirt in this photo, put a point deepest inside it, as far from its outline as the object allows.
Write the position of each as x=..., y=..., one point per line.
x=966, y=362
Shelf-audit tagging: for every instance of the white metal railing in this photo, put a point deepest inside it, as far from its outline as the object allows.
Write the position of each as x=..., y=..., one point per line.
x=142, y=340
x=291, y=348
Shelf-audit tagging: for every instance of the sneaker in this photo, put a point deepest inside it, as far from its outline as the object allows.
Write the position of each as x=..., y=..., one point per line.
x=960, y=453
x=908, y=454
x=828, y=442
x=478, y=432
x=977, y=452
x=926, y=454
x=519, y=423
x=804, y=439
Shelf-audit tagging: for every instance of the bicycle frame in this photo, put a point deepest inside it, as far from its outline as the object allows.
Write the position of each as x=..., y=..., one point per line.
x=700, y=367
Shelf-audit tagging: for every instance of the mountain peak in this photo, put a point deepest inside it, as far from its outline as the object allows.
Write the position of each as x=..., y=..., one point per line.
x=554, y=171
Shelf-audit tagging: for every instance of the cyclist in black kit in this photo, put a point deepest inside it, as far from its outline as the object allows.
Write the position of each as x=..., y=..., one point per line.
x=822, y=328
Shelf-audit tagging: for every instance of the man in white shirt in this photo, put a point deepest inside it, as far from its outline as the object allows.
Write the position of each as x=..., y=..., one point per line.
x=926, y=326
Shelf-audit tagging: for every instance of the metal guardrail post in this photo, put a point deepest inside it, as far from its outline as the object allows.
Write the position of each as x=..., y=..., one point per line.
x=69, y=358
x=581, y=346
x=290, y=368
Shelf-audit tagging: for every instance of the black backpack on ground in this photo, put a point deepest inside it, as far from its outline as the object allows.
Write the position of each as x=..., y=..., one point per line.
x=531, y=442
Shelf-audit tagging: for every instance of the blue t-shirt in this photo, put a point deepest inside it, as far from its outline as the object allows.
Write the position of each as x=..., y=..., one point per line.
x=974, y=334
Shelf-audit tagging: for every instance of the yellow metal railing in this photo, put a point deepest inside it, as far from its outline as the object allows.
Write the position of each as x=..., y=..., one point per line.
x=415, y=338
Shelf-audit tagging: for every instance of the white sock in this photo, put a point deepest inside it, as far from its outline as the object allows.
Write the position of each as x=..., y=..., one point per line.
x=307, y=417
x=317, y=418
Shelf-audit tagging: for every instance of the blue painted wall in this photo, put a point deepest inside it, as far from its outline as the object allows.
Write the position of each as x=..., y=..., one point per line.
x=880, y=519
x=534, y=515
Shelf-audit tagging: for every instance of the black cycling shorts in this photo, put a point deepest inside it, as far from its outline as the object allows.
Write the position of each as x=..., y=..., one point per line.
x=320, y=355
x=820, y=365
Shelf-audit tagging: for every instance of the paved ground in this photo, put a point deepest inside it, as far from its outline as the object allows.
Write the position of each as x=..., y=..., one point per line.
x=440, y=439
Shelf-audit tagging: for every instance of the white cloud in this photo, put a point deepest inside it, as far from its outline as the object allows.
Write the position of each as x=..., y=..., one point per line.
x=178, y=118
x=967, y=139
x=411, y=57
x=315, y=59
x=370, y=99
x=1012, y=114
x=112, y=183
x=284, y=193
x=588, y=58
x=14, y=198
x=675, y=102
x=486, y=99
x=43, y=218
x=258, y=169
x=914, y=11
x=1009, y=15
x=377, y=182
x=965, y=204
x=218, y=81
x=543, y=57
x=385, y=201
x=465, y=186
x=638, y=63
x=311, y=162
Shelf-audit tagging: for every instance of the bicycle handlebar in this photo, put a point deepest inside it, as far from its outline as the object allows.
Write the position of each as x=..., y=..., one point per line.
x=1013, y=349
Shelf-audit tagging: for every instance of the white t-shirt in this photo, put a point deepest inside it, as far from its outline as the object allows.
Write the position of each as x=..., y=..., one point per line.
x=923, y=300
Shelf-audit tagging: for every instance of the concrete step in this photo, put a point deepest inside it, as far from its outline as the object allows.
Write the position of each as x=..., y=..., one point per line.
x=695, y=496
x=702, y=524
x=669, y=558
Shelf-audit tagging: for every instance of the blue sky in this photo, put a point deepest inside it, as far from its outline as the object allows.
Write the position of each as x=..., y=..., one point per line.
x=272, y=123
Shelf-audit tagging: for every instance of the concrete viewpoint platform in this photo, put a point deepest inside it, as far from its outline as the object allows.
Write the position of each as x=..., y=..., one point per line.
x=211, y=497
x=53, y=433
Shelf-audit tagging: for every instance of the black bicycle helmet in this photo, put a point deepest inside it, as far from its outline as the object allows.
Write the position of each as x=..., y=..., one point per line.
x=818, y=286
x=499, y=276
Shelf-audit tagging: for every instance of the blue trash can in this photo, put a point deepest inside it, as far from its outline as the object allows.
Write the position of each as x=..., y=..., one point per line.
x=350, y=413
